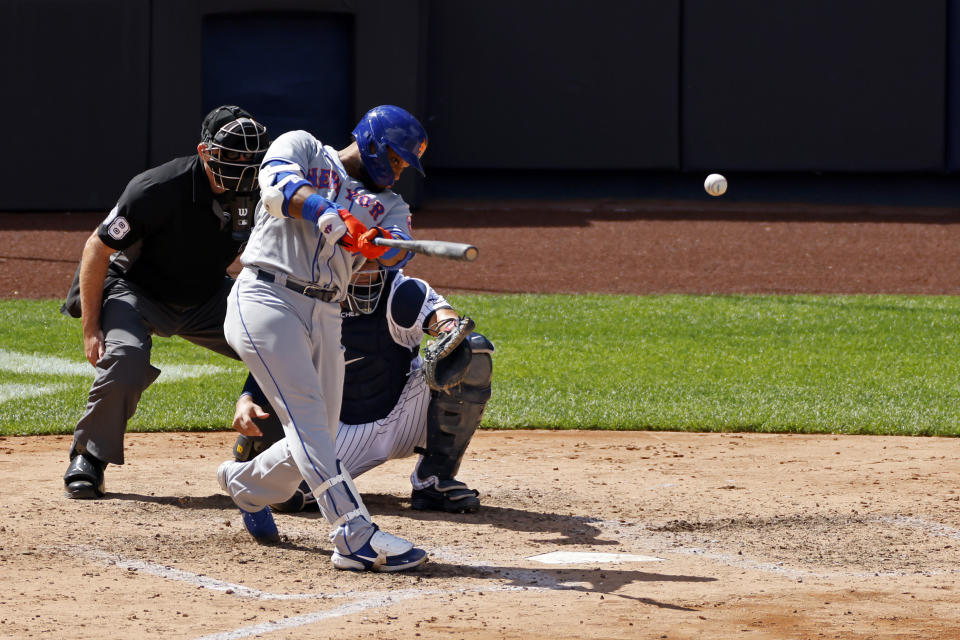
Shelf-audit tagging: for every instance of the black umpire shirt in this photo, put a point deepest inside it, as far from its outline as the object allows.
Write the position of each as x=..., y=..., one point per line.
x=174, y=243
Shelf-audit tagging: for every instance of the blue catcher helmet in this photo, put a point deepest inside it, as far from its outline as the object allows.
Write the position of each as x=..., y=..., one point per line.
x=389, y=126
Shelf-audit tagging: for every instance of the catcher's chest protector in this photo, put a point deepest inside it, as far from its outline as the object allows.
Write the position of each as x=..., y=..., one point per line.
x=376, y=370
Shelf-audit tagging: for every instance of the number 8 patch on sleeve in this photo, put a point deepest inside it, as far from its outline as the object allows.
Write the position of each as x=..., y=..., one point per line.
x=118, y=228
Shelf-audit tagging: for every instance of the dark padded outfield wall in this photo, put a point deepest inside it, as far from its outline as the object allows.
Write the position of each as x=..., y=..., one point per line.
x=798, y=85
x=553, y=84
x=300, y=78
x=74, y=102
x=953, y=85
x=386, y=56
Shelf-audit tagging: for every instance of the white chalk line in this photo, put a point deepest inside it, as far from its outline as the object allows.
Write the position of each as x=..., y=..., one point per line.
x=11, y=390
x=195, y=579
x=376, y=602
x=367, y=600
x=530, y=579
x=35, y=364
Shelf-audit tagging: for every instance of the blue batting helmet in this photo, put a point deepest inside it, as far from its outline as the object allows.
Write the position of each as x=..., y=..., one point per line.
x=389, y=126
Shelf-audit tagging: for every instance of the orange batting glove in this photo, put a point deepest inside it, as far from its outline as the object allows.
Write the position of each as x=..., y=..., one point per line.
x=365, y=244
x=355, y=229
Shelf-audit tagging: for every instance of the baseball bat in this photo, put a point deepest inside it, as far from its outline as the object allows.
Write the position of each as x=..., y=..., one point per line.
x=436, y=248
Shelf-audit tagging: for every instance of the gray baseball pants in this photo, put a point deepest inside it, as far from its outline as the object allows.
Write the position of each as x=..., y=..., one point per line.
x=129, y=318
x=291, y=344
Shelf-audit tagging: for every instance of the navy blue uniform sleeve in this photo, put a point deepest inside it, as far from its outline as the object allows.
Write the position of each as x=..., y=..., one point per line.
x=251, y=387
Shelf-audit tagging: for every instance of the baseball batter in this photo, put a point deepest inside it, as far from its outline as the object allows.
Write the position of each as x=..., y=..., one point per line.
x=388, y=410
x=319, y=211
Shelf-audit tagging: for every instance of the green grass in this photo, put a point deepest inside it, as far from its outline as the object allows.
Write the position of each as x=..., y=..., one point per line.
x=845, y=364
x=36, y=328
x=841, y=364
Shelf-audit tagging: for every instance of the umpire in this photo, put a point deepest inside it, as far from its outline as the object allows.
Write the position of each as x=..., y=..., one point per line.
x=157, y=266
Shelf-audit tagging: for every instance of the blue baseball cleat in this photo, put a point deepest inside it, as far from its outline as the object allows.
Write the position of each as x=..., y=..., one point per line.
x=261, y=525
x=382, y=552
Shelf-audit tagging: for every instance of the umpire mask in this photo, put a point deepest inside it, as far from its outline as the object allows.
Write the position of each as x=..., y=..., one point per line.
x=365, y=288
x=236, y=144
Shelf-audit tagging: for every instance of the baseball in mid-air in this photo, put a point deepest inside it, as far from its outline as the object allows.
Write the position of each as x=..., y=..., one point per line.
x=715, y=184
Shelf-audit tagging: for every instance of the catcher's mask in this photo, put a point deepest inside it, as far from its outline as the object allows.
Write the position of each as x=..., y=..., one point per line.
x=391, y=127
x=235, y=144
x=365, y=288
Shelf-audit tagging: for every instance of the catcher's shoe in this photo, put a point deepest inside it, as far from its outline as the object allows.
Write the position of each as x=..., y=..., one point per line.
x=382, y=552
x=451, y=496
x=84, y=478
x=261, y=525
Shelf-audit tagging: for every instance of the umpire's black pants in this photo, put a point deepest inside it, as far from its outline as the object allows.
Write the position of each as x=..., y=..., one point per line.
x=128, y=319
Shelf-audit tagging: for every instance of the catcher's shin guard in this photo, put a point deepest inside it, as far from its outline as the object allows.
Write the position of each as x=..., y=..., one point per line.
x=452, y=418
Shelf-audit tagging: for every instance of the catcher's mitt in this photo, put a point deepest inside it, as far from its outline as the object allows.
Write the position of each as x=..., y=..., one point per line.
x=445, y=359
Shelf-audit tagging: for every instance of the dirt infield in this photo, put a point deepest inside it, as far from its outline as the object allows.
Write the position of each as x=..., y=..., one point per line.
x=739, y=537
x=722, y=535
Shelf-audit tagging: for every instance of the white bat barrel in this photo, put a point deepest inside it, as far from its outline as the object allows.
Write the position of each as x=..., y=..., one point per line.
x=436, y=248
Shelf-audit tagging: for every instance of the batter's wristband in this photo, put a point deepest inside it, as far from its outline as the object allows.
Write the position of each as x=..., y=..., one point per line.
x=289, y=188
x=392, y=253
x=314, y=206
x=395, y=251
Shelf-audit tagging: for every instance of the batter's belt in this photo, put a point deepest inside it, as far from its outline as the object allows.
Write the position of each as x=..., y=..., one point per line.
x=309, y=289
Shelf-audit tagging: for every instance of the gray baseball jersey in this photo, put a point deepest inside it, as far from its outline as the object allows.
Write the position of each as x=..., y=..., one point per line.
x=296, y=247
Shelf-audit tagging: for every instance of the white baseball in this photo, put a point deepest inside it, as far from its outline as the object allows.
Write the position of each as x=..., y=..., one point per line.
x=715, y=184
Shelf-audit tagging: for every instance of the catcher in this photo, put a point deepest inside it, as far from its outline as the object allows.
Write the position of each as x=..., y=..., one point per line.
x=395, y=402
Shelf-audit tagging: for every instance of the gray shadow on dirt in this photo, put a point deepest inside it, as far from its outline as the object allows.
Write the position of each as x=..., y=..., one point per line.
x=601, y=581
x=569, y=529
x=215, y=501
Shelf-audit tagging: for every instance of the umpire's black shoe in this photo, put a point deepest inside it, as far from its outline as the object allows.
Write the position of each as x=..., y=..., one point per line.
x=451, y=496
x=84, y=477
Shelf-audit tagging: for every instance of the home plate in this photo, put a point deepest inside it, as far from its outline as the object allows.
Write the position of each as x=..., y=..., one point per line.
x=587, y=557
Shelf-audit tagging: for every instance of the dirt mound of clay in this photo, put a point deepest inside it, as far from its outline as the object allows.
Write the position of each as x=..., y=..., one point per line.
x=609, y=247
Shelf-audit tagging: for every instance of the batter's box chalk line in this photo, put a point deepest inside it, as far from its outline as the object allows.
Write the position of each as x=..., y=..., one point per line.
x=363, y=600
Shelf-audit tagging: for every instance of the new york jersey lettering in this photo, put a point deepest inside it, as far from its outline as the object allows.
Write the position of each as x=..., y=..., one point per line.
x=323, y=178
x=367, y=201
